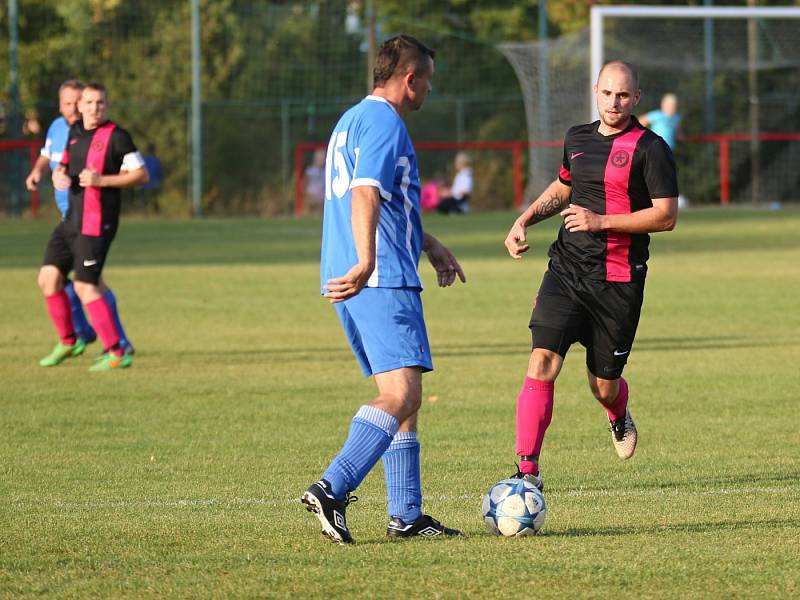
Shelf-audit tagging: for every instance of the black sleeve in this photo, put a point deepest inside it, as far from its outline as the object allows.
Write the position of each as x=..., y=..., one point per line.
x=121, y=144
x=565, y=172
x=660, y=173
x=64, y=162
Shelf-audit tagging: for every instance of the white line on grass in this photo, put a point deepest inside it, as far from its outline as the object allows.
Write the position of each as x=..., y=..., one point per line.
x=574, y=493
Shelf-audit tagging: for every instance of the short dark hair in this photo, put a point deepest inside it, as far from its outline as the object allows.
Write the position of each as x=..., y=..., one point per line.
x=96, y=86
x=71, y=84
x=400, y=54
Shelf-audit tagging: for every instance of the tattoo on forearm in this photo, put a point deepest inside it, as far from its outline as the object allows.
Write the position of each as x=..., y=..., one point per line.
x=552, y=205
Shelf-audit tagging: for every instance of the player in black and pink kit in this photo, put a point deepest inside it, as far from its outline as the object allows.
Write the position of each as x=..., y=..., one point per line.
x=99, y=159
x=617, y=184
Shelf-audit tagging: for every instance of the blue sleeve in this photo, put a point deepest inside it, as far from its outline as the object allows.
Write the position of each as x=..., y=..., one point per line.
x=377, y=147
x=47, y=149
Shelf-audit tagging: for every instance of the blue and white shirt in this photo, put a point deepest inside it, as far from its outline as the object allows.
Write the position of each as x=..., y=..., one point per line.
x=370, y=146
x=53, y=148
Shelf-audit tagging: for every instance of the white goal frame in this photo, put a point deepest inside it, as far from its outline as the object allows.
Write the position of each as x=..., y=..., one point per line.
x=600, y=13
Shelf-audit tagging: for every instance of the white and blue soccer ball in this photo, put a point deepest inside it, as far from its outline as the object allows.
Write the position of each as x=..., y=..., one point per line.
x=513, y=508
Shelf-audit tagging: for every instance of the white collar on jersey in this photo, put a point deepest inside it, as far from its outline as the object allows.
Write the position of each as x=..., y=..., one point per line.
x=380, y=99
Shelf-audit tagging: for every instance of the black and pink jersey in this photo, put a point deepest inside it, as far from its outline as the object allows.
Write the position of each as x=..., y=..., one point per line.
x=108, y=149
x=615, y=174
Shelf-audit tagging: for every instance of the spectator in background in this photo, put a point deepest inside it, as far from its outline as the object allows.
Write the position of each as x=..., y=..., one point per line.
x=31, y=125
x=315, y=182
x=456, y=198
x=665, y=122
x=149, y=192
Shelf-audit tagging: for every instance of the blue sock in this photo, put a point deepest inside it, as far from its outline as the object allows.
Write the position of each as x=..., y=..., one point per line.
x=371, y=432
x=82, y=328
x=111, y=299
x=403, y=483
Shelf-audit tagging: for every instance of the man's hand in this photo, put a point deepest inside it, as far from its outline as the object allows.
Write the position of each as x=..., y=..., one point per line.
x=350, y=284
x=32, y=181
x=90, y=177
x=577, y=218
x=515, y=240
x=61, y=181
x=443, y=262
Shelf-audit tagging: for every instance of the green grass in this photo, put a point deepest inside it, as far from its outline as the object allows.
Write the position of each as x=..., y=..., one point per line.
x=180, y=476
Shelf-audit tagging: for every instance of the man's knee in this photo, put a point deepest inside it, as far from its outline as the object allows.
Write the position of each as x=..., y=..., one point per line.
x=86, y=291
x=400, y=392
x=50, y=280
x=401, y=403
x=544, y=365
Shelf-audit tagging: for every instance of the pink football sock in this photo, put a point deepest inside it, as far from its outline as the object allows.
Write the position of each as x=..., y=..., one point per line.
x=534, y=412
x=620, y=404
x=61, y=315
x=103, y=323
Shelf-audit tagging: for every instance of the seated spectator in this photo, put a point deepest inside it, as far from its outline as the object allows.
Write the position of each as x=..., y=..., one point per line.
x=456, y=198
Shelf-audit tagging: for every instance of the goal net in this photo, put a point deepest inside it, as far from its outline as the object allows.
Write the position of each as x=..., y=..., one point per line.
x=735, y=71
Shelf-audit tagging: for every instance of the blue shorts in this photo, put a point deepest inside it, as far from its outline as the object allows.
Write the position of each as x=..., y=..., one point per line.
x=386, y=329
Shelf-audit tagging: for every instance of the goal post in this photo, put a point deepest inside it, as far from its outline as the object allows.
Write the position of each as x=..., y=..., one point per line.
x=734, y=70
x=600, y=14
x=753, y=40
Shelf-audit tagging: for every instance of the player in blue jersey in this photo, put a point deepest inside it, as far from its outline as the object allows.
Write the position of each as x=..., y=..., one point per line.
x=371, y=244
x=69, y=93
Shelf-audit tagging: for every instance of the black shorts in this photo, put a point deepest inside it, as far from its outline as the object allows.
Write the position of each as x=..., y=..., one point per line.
x=69, y=250
x=601, y=315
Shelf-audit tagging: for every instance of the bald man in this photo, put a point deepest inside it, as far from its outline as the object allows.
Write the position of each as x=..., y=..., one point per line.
x=616, y=185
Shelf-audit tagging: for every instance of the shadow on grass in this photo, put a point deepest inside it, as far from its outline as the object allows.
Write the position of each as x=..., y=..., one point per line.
x=715, y=526
x=285, y=241
x=294, y=353
x=641, y=345
x=709, y=484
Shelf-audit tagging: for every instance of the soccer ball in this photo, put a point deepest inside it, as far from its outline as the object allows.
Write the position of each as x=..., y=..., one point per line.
x=513, y=508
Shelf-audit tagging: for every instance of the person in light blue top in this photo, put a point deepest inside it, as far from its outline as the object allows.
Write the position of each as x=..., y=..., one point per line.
x=665, y=122
x=69, y=93
x=372, y=241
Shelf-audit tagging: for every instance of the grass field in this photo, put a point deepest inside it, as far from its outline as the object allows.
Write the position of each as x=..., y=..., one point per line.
x=180, y=476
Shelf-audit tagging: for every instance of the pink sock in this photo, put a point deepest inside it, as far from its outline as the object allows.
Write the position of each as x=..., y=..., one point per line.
x=103, y=323
x=61, y=315
x=620, y=404
x=534, y=412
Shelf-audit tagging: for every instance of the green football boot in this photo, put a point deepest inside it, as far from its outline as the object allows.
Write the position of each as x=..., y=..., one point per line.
x=111, y=362
x=63, y=351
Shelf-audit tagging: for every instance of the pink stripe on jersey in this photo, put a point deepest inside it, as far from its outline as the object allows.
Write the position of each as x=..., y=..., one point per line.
x=618, y=202
x=564, y=174
x=95, y=159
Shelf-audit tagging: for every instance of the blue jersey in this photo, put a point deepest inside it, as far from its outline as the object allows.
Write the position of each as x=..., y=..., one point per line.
x=53, y=149
x=370, y=146
x=664, y=126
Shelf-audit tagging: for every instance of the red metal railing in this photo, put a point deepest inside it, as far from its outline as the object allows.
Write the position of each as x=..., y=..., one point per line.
x=33, y=150
x=724, y=140
x=517, y=147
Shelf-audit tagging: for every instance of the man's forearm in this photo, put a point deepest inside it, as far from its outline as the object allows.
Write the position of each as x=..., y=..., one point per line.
x=42, y=163
x=125, y=179
x=366, y=206
x=552, y=201
x=648, y=220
